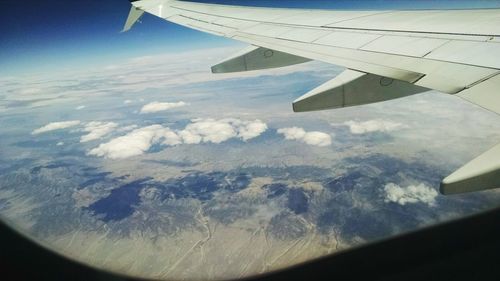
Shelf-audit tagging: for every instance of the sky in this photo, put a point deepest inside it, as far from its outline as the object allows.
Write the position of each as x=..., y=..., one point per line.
x=56, y=35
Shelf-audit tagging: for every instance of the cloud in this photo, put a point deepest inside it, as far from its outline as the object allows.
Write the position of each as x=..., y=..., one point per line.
x=157, y=72
x=312, y=138
x=136, y=142
x=55, y=126
x=161, y=106
x=127, y=101
x=97, y=130
x=217, y=131
x=141, y=140
x=208, y=130
x=80, y=107
x=292, y=133
x=317, y=138
x=371, y=126
x=410, y=194
x=249, y=130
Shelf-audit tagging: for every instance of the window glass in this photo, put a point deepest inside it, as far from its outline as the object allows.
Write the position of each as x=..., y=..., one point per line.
x=123, y=151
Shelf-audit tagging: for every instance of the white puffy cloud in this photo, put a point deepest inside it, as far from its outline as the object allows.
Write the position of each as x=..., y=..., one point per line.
x=371, y=126
x=410, y=194
x=97, y=130
x=161, y=106
x=56, y=126
x=136, y=142
x=209, y=130
x=312, y=138
x=190, y=137
x=317, y=138
x=292, y=133
x=217, y=131
x=249, y=130
x=140, y=140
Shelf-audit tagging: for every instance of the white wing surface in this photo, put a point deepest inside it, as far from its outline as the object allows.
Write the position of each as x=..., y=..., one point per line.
x=388, y=54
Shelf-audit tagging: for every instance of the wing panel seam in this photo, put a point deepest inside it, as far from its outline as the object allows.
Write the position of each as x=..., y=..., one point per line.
x=390, y=54
x=344, y=28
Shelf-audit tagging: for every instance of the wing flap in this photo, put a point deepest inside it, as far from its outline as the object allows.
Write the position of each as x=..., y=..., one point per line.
x=405, y=46
x=267, y=30
x=485, y=94
x=486, y=54
x=304, y=34
x=350, y=40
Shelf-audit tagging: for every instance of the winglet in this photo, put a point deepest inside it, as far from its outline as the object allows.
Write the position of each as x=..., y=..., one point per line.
x=134, y=15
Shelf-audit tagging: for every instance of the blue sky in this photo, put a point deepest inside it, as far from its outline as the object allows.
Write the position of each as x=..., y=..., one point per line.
x=43, y=36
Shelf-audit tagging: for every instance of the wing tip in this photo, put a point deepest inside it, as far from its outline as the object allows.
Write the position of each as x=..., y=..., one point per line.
x=133, y=17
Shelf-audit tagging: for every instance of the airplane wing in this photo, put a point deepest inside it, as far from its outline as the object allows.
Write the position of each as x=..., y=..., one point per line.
x=387, y=55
